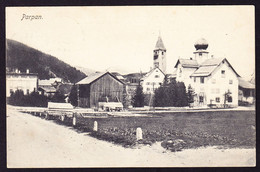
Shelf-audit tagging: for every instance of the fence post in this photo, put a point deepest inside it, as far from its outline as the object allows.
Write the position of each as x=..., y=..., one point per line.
x=139, y=134
x=74, y=120
x=95, y=128
x=62, y=118
x=47, y=116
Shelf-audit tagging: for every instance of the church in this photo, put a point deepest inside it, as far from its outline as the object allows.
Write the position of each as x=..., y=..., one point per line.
x=213, y=80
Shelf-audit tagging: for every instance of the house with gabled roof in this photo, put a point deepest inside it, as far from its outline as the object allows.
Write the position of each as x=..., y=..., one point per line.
x=214, y=80
x=152, y=80
x=99, y=87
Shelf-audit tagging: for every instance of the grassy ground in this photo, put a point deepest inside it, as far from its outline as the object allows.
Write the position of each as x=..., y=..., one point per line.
x=177, y=131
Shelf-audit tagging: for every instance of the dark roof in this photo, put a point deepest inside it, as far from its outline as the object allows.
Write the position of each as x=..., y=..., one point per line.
x=187, y=63
x=245, y=84
x=209, y=65
x=14, y=73
x=93, y=77
x=64, y=88
x=159, y=44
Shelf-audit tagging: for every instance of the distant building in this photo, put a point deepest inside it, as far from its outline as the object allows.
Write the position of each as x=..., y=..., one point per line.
x=152, y=80
x=246, y=91
x=25, y=81
x=48, y=87
x=211, y=78
x=99, y=87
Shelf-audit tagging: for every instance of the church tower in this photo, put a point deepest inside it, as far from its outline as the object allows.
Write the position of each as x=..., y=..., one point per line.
x=201, y=53
x=159, y=56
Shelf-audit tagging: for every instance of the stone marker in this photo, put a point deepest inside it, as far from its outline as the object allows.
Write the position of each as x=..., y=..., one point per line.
x=139, y=134
x=40, y=114
x=74, y=121
x=46, y=116
x=62, y=118
x=95, y=128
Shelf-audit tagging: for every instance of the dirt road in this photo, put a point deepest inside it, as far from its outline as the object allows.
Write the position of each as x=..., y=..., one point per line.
x=35, y=142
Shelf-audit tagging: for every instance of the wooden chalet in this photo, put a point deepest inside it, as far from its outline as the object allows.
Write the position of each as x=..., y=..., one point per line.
x=99, y=87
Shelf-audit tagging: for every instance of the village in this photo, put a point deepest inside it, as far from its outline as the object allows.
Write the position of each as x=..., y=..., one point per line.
x=108, y=90
x=209, y=78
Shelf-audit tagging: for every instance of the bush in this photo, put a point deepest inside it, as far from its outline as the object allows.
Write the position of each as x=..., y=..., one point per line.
x=18, y=98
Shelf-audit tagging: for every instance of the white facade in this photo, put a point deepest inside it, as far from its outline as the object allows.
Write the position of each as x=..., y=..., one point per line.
x=152, y=80
x=183, y=74
x=21, y=81
x=221, y=80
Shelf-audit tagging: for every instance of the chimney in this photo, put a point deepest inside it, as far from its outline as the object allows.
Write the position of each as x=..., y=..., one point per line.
x=27, y=71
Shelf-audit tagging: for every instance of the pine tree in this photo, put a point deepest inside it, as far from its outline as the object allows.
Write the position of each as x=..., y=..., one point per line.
x=138, y=99
x=73, y=97
x=190, y=95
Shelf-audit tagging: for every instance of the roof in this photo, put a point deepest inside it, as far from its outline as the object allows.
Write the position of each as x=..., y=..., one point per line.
x=64, y=88
x=209, y=65
x=28, y=74
x=187, y=63
x=151, y=71
x=93, y=77
x=48, y=89
x=159, y=44
x=245, y=84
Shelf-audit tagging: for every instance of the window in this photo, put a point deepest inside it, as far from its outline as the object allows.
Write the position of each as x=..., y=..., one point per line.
x=223, y=73
x=217, y=99
x=27, y=91
x=157, y=76
x=194, y=79
x=180, y=71
x=200, y=54
x=148, y=89
x=162, y=53
x=213, y=81
x=201, y=99
x=230, y=81
x=148, y=83
x=202, y=80
x=229, y=98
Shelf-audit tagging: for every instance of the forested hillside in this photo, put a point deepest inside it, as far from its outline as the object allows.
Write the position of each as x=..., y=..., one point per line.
x=24, y=57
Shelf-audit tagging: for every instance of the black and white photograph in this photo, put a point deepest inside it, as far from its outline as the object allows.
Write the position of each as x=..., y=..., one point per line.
x=130, y=86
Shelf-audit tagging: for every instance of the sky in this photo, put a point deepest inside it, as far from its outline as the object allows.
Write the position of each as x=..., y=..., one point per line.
x=124, y=37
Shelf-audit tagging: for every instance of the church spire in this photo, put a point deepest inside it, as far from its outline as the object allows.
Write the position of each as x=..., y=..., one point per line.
x=159, y=44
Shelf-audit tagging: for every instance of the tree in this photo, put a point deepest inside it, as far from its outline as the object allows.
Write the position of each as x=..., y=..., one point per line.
x=73, y=97
x=138, y=99
x=190, y=95
x=58, y=97
x=171, y=94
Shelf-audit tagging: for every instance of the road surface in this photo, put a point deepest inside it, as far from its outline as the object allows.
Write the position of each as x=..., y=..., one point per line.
x=35, y=142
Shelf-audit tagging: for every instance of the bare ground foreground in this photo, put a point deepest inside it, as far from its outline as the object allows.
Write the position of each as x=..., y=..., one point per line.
x=35, y=142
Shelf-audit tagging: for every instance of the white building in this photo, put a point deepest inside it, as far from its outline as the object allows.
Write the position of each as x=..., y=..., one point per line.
x=152, y=80
x=210, y=78
x=28, y=82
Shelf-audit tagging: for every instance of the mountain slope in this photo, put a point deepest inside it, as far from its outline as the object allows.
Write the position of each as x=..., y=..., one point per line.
x=23, y=57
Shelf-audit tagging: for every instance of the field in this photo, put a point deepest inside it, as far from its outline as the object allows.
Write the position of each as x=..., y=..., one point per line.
x=176, y=131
